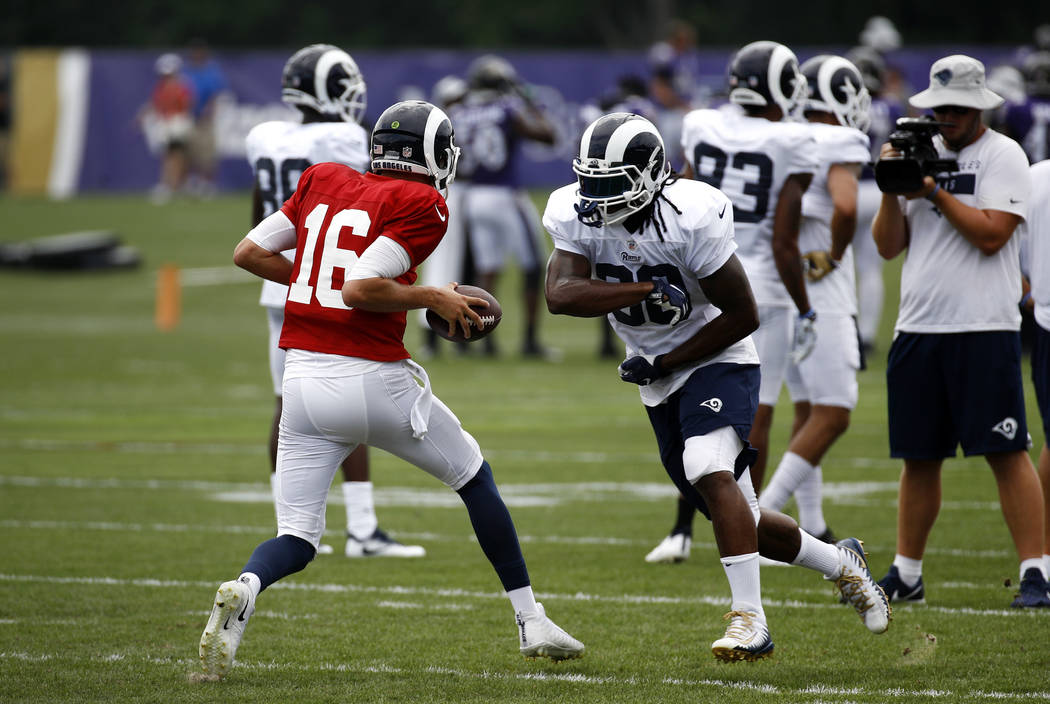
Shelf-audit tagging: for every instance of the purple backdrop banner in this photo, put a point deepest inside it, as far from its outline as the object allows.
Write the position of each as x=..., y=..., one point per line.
x=117, y=154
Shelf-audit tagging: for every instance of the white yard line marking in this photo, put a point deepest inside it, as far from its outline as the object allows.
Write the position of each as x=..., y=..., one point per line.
x=402, y=591
x=261, y=531
x=549, y=676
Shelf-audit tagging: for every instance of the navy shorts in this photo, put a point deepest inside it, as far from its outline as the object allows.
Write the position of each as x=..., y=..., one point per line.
x=714, y=396
x=1041, y=376
x=945, y=390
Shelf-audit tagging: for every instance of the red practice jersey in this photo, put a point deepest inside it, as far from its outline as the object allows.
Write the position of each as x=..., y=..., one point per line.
x=338, y=213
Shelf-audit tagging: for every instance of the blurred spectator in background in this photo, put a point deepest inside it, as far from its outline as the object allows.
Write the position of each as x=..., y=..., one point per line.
x=884, y=111
x=1007, y=81
x=674, y=74
x=169, y=116
x=1029, y=122
x=881, y=35
x=496, y=116
x=208, y=83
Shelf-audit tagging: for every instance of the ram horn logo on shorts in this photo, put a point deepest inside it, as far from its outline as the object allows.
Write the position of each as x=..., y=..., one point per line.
x=1007, y=427
x=715, y=404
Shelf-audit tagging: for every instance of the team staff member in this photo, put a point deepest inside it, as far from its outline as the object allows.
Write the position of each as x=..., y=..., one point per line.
x=954, y=370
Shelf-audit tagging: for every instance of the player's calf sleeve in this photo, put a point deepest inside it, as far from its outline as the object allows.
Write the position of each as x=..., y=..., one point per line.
x=279, y=557
x=494, y=528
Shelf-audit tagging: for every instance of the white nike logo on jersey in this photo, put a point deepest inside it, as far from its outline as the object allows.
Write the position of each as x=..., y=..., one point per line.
x=440, y=216
x=1007, y=427
x=715, y=404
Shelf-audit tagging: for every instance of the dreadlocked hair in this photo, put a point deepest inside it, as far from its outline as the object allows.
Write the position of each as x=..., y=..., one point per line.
x=653, y=213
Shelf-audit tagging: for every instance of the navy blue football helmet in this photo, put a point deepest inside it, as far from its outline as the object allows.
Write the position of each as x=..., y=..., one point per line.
x=766, y=73
x=325, y=79
x=414, y=136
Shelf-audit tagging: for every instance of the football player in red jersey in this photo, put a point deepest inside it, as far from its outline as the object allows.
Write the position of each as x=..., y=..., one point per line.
x=348, y=377
x=324, y=83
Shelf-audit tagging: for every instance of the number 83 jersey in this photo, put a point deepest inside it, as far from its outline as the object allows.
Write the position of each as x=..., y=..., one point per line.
x=748, y=159
x=279, y=152
x=693, y=245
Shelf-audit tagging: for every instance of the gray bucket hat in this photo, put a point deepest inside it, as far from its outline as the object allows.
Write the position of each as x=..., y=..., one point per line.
x=957, y=80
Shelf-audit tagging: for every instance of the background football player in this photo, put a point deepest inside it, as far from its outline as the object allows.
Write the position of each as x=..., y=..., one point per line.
x=348, y=376
x=764, y=165
x=324, y=83
x=657, y=256
x=493, y=120
x=823, y=386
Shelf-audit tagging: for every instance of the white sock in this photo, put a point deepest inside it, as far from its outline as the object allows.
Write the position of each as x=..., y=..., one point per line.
x=910, y=570
x=360, y=509
x=744, y=582
x=273, y=491
x=810, y=498
x=522, y=599
x=790, y=473
x=253, y=582
x=818, y=555
x=1031, y=562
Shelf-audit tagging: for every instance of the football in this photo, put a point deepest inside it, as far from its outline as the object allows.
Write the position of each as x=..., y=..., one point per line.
x=490, y=315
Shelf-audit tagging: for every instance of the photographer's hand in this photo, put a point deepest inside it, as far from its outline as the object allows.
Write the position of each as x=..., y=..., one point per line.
x=928, y=187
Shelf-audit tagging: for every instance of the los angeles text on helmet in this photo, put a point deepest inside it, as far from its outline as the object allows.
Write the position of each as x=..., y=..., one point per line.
x=391, y=166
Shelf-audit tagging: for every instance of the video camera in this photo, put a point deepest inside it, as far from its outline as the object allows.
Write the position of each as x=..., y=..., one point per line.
x=913, y=138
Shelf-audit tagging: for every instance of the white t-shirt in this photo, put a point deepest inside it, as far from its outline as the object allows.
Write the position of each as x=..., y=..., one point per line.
x=695, y=245
x=947, y=284
x=748, y=159
x=1035, y=236
x=279, y=152
x=837, y=292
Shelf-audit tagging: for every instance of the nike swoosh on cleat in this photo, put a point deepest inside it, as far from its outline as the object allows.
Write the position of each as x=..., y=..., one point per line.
x=243, y=611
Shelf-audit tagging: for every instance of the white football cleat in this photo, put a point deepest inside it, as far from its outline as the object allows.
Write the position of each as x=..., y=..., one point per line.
x=234, y=605
x=673, y=548
x=541, y=637
x=747, y=638
x=379, y=544
x=859, y=588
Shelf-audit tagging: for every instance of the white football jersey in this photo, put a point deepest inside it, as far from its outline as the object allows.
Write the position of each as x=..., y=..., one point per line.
x=748, y=159
x=279, y=152
x=947, y=284
x=1035, y=233
x=695, y=245
x=836, y=292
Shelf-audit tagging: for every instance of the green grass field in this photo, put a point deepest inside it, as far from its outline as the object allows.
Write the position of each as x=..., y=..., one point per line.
x=133, y=480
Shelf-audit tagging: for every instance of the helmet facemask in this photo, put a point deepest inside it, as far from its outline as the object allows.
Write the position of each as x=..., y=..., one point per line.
x=609, y=190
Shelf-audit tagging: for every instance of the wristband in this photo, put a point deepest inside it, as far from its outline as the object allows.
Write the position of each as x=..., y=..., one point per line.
x=1025, y=298
x=810, y=314
x=931, y=194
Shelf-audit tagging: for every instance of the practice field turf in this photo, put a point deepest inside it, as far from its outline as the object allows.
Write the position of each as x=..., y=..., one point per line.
x=133, y=480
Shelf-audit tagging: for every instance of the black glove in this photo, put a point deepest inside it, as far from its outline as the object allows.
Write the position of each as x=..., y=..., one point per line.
x=670, y=298
x=643, y=369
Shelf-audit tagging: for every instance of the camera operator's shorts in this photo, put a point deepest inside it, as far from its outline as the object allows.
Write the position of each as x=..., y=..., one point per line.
x=716, y=396
x=1041, y=374
x=959, y=388
x=773, y=344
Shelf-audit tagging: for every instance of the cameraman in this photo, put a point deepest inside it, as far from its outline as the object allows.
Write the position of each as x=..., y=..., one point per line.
x=954, y=369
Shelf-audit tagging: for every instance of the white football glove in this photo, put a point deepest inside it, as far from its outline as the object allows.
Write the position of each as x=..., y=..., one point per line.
x=805, y=336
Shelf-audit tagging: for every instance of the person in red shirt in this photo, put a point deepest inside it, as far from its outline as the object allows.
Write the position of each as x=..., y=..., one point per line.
x=170, y=110
x=348, y=378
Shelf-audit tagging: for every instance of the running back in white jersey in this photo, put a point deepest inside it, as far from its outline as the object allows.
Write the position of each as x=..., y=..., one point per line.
x=835, y=144
x=748, y=159
x=279, y=152
x=694, y=245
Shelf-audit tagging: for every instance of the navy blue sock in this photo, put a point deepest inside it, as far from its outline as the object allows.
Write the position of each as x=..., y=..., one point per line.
x=494, y=528
x=279, y=557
